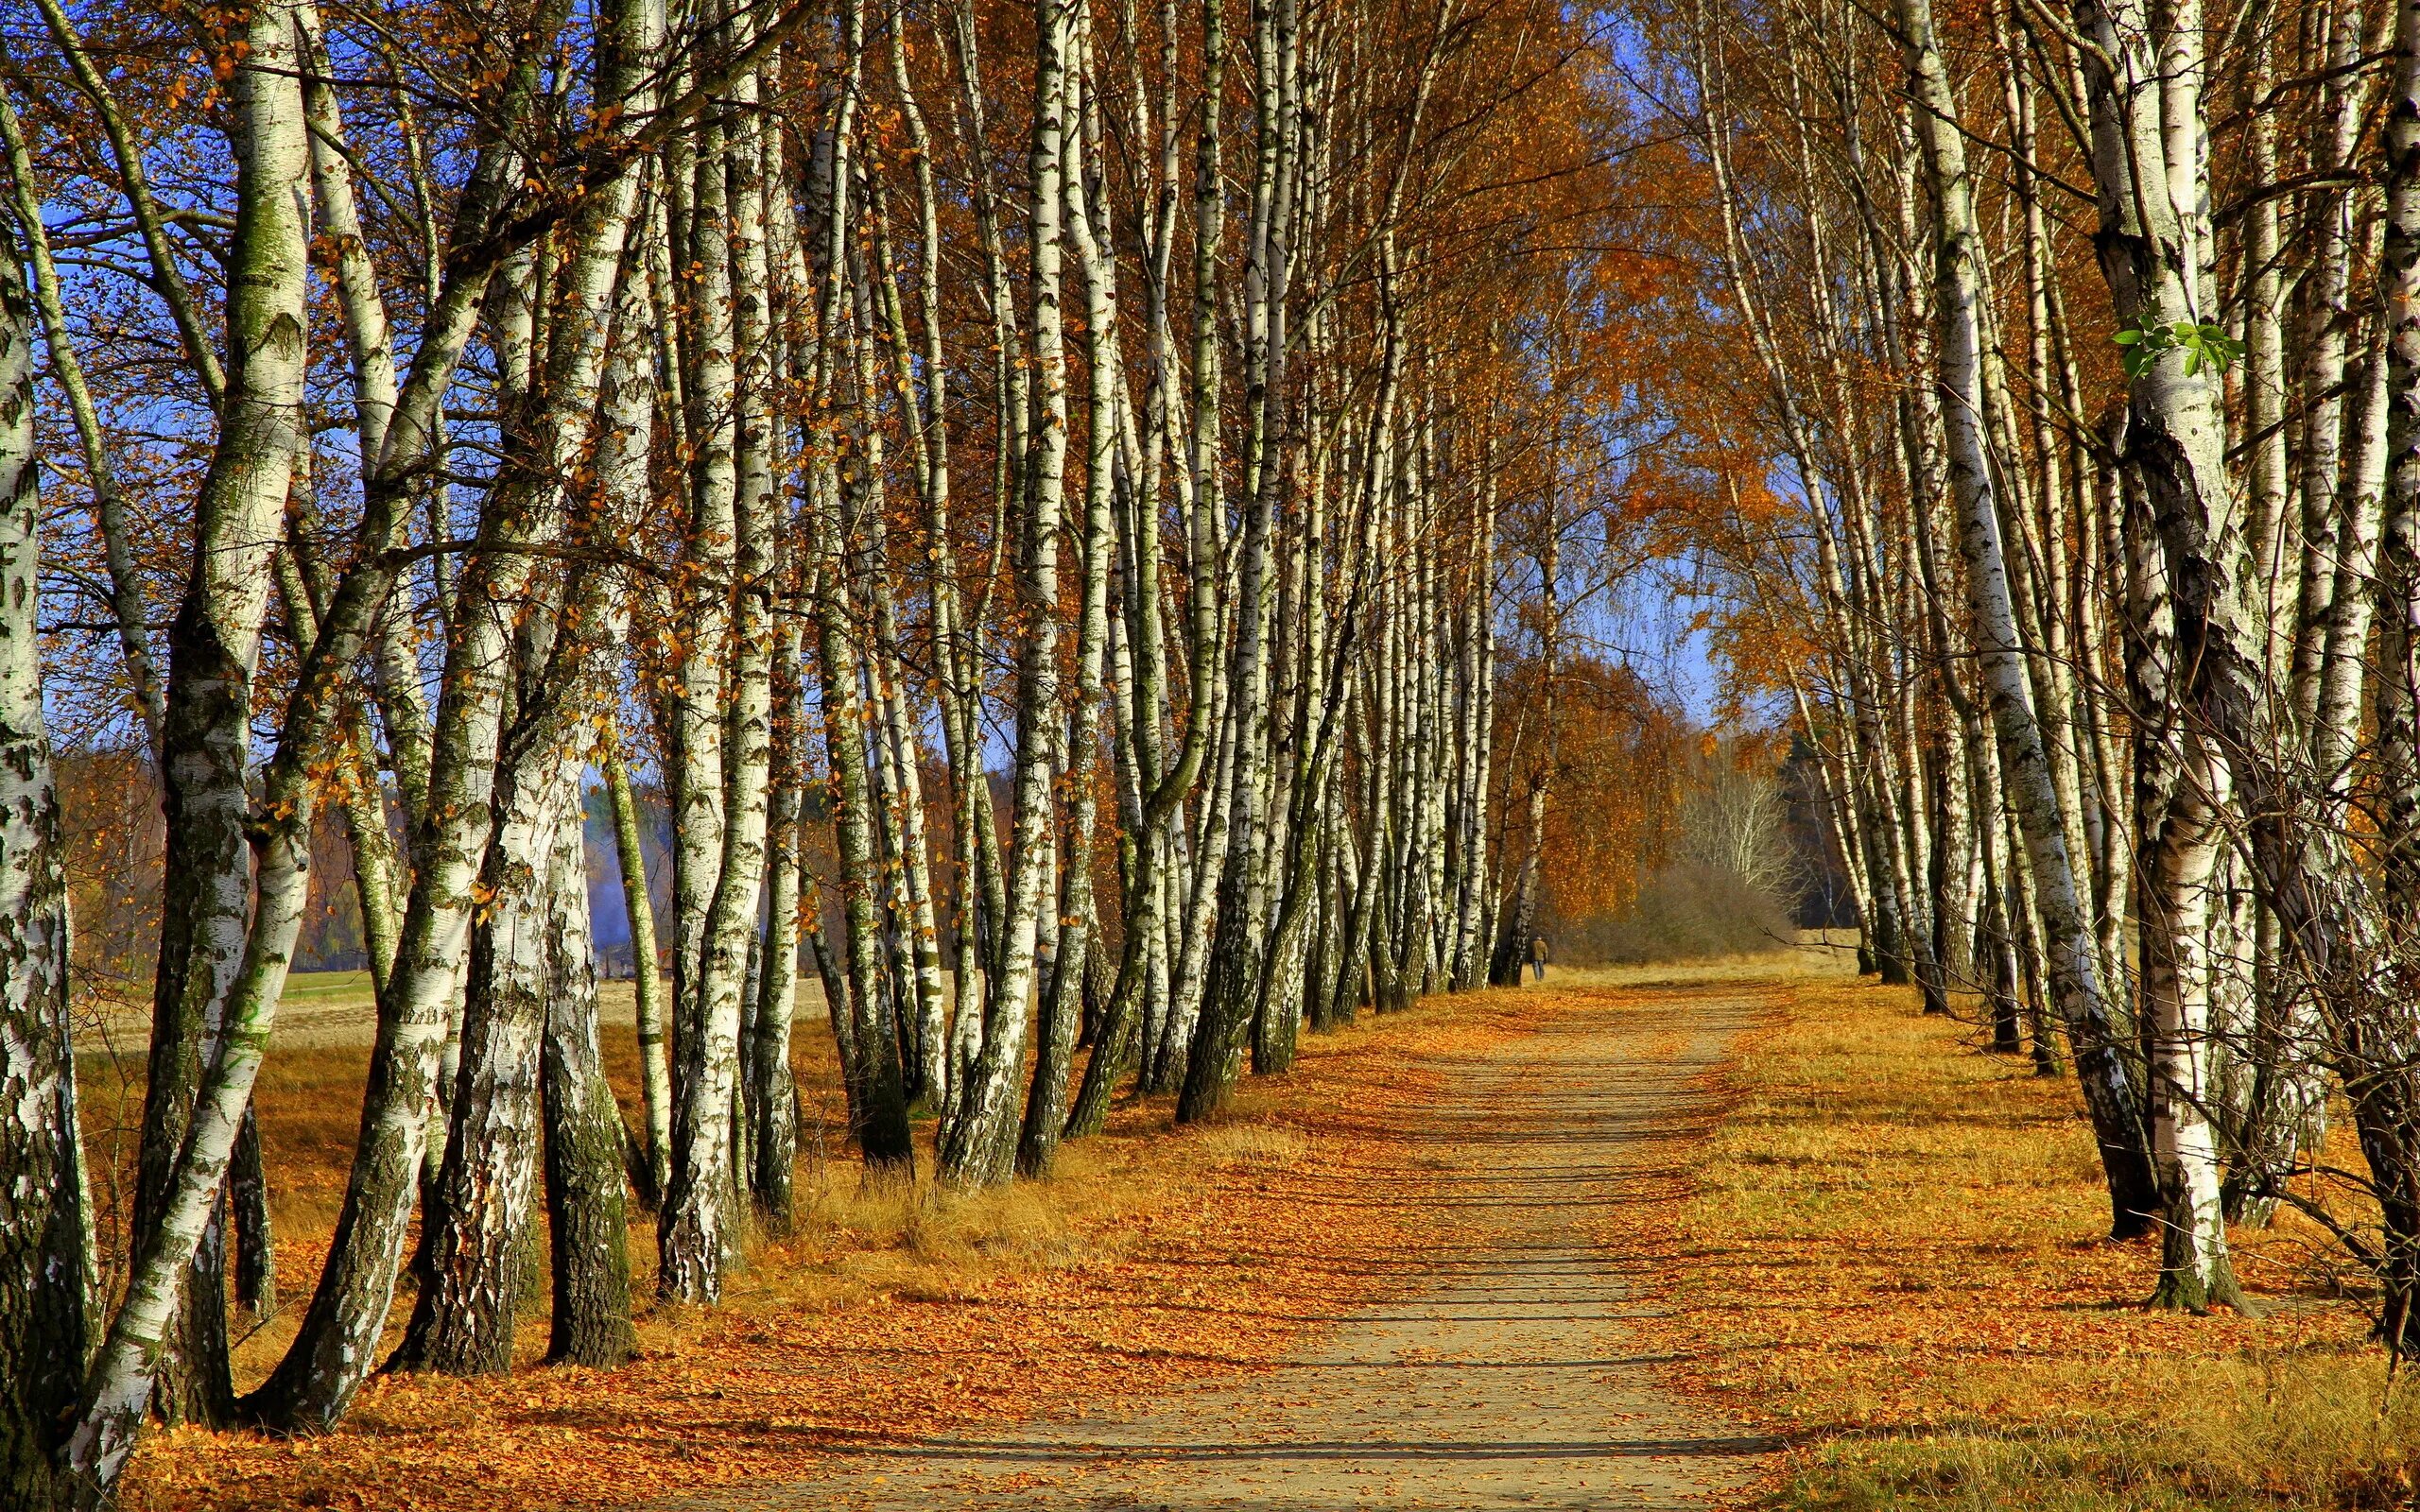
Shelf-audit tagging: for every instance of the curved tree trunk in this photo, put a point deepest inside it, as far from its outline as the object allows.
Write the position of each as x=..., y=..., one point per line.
x=205, y=747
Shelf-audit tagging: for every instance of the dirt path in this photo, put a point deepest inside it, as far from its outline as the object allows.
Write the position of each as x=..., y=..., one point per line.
x=1519, y=1373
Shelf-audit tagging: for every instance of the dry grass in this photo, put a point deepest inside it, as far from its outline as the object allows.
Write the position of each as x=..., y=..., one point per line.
x=1893, y=1253
x=1150, y=1259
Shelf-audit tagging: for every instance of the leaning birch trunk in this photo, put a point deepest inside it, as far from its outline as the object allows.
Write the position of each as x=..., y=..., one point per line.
x=774, y=1145
x=699, y=1236
x=369, y=341
x=2195, y=1270
x=646, y=983
x=45, y=1317
x=2178, y=800
x=214, y=644
x=483, y=1204
x=625, y=419
x=2396, y=690
x=1239, y=956
x=482, y=1208
x=981, y=1148
x=374, y=864
x=108, y=499
x=1046, y=1101
x=1519, y=918
x=2075, y=987
x=120, y=1388
x=332, y=1354
x=697, y=786
x=303, y=592
x=587, y=1227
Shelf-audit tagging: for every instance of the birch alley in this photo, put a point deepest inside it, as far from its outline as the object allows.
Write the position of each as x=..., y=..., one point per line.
x=782, y=752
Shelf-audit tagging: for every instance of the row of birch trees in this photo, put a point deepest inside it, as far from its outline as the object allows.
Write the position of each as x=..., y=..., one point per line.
x=2085, y=338
x=1022, y=484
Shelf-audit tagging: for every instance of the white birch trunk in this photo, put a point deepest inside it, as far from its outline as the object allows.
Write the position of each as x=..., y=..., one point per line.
x=981, y=1144
x=2076, y=987
x=45, y=1307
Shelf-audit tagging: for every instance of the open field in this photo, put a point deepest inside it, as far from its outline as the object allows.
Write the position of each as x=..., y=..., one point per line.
x=324, y=1009
x=309, y=1101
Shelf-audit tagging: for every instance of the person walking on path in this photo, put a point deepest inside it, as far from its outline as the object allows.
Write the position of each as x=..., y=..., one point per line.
x=1538, y=956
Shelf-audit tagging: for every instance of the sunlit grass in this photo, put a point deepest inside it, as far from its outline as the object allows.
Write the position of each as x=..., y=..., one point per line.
x=1893, y=1251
